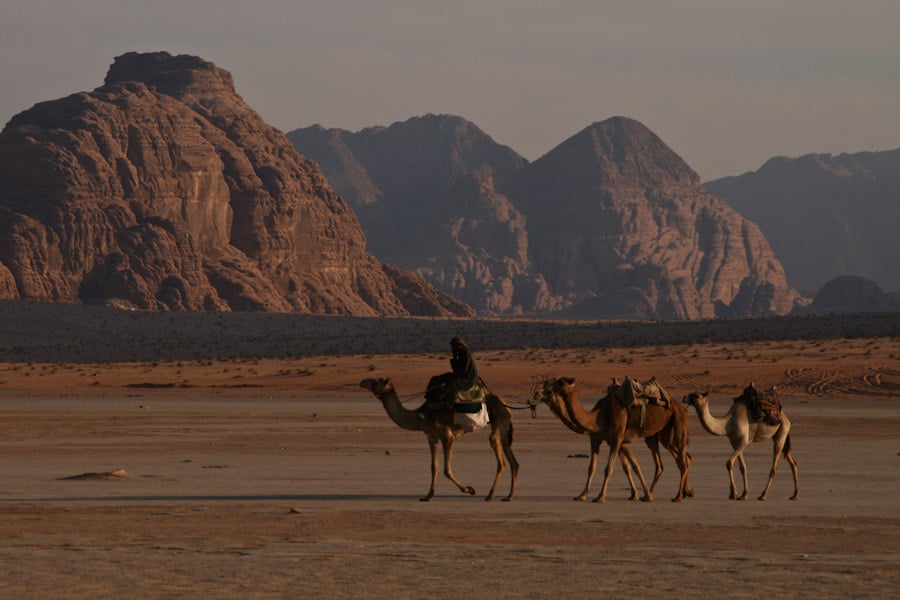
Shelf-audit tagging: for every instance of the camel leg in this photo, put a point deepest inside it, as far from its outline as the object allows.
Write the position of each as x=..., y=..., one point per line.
x=607, y=472
x=743, y=466
x=683, y=460
x=501, y=463
x=779, y=446
x=506, y=444
x=432, y=445
x=626, y=454
x=688, y=459
x=737, y=455
x=789, y=457
x=653, y=444
x=501, y=441
x=592, y=468
x=448, y=470
x=626, y=467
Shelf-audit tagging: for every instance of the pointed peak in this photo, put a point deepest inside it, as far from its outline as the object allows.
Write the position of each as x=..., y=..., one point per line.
x=625, y=152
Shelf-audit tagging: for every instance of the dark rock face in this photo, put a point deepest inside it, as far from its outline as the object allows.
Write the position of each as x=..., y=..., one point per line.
x=433, y=195
x=851, y=294
x=163, y=189
x=825, y=215
x=611, y=223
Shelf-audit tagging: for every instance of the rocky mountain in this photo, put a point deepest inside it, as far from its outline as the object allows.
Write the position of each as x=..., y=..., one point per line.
x=621, y=226
x=851, y=294
x=825, y=215
x=433, y=195
x=163, y=189
x=611, y=223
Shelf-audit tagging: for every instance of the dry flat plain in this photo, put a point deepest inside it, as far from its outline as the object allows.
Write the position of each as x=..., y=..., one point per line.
x=254, y=476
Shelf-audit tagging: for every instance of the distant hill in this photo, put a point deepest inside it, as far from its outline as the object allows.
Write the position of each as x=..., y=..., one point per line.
x=825, y=215
x=851, y=294
x=162, y=189
x=611, y=223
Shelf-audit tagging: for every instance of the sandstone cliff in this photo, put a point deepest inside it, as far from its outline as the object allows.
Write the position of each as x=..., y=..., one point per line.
x=163, y=189
x=611, y=223
x=825, y=215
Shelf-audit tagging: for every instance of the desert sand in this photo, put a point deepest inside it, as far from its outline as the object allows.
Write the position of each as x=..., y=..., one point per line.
x=255, y=476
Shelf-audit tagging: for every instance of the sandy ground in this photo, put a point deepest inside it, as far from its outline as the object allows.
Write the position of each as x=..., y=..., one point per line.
x=236, y=478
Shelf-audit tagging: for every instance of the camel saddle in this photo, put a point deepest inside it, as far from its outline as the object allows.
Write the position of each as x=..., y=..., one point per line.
x=631, y=392
x=761, y=406
x=469, y=408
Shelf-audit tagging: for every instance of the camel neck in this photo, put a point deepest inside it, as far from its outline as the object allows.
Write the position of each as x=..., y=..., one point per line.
x=587, y=420
x=713, y=425
x=407, y=419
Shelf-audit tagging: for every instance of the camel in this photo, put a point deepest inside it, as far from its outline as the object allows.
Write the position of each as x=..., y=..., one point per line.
x=741, y=433
x=438, y=426
x=558, y=408
x=609, y=421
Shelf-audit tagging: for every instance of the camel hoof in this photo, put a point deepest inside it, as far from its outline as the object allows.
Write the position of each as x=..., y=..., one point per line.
x=425, y=499
x=677, y=499
x=507, y=499
x=762, y=498
x=470, y=491
x=599, y=500
x=795, y=497
x=646, y=498
x=489, y=498
x=579, y=498
x=689, y=492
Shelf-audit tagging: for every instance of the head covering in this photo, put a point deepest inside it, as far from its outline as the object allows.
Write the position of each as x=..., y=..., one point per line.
x=458, y=341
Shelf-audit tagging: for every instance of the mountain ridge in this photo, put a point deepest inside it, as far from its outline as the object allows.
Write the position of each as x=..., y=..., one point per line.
x=634, y=204
x=825, y=215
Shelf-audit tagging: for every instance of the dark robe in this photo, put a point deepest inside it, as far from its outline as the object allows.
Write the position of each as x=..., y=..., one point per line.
x=463, y=376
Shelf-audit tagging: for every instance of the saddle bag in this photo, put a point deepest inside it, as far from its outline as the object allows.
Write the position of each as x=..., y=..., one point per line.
x=471, y=416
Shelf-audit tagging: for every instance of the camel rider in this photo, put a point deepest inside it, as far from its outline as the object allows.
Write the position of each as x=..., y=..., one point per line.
x=464, y=374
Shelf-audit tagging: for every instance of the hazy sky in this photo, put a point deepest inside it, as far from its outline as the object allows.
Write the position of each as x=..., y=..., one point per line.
x=726, y=84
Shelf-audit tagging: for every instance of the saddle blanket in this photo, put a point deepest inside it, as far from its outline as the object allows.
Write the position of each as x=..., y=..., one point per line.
x=475, y=393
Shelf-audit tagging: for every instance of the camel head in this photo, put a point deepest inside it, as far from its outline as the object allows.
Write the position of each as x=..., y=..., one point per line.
x=615, y=385
x=377, y=386
x=696, y=398
x=561, y=386
x=552, y=387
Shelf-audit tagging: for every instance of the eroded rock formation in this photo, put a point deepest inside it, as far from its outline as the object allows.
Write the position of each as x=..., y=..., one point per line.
x=163, y=189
